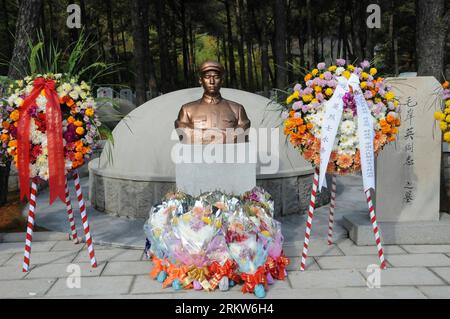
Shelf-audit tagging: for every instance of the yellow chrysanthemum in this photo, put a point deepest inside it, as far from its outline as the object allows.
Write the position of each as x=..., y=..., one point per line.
x=293, y=97
x=346, y=74
x=447, y=137
x=447, y=110
x=329, y=92
x=80, y=131
x=318, y=89
x=89, y=112
x=322, y=76
x=365, y=75
x=439, y=116
x=307, y=98
x=363, y=85
x=447, y=118
x=373, y=71
x=315, y=72
x=389, y=96
x=447, y=104
x=332, y=68
x=351, y=68
x=443, y=126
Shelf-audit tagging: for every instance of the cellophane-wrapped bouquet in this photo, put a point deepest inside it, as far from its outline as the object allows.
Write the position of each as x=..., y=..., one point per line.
x=216, y=241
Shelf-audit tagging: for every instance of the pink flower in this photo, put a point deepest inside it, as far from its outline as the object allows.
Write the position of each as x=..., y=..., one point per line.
x=298, y=87
x=328, y=75
x=321, y=66
x=341, y=62
x=320, y=97
x=297, y=105
x=308, y=91
x=365, y=64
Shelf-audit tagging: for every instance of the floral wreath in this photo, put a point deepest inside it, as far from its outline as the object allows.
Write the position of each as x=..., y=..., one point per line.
x=444, y=116
x=305, y=111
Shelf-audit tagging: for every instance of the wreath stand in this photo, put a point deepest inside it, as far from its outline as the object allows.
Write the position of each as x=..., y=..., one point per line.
x=312, y=206
x=73, y=235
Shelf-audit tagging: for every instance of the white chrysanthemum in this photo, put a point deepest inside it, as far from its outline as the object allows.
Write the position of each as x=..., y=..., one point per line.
x=66, y=87
x=339, y=71
x=41, y=103
x=29, y=89
x=12, y=99
x=74, y=95
x=348, y=127
x=18, y=101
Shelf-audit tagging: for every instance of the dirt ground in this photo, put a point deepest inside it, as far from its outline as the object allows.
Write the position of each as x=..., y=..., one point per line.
x=11, y=219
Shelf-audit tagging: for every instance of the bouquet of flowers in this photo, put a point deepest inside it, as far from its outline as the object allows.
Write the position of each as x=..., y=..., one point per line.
x=216, y=241
x=250, y=250
x=444, y=116
x=305, y=112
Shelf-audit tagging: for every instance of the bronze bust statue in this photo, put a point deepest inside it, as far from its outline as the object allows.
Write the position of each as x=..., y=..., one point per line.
x=212, y=119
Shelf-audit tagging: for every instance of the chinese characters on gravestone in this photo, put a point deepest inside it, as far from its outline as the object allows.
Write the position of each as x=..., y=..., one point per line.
x=408, y=171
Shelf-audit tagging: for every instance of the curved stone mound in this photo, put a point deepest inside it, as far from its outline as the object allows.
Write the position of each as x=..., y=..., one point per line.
x=137, y=171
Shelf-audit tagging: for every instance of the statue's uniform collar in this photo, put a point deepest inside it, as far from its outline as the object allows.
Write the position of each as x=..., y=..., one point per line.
x=212, y=99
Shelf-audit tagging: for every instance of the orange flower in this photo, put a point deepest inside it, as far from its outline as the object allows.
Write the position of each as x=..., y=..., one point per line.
x=445, y=85
x=345, y=161
x=12, y=143
x=4, y=138
x=78, y=123
x=357, y=158
x=296, y=139
x=70, y=102
x=390, y=118
x=5, y=125
x=79, y=130
x=392, y=138
x=302, y=129
x=334, y=157
x=310, y=126
x=78, y=156
x=398, y=122
x=308, y=77
x=308, y=155
x=70, y=120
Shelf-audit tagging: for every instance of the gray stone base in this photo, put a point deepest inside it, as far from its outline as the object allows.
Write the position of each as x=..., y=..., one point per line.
x=133, y=199
x=404, y=233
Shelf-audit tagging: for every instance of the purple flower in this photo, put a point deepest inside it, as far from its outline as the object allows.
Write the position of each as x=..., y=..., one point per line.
x=284, y=115
x=328, y=75
x=321, y=66
x=365, y=64
x=349, y=103
x=9, y=109
x=305, y=108
x=298, y=87
x=320, y=97
x=308, y=91
x=368, y=94
x=340, y=62
x=297, y=115
x=297, y=105
x=32, y=111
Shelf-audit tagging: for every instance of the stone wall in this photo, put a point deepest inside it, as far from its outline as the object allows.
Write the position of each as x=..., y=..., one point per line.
x=134, y=199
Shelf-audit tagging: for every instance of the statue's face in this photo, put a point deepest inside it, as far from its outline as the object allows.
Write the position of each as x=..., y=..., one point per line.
x=211, y=82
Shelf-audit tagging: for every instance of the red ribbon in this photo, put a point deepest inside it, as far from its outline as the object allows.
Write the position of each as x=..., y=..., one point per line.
x=282, y=263
x=251, y=281
x=227, y=270
x=54, y=141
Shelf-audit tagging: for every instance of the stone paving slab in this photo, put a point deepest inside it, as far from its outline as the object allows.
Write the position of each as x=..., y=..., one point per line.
x=24, y=288
x=407, y=277
x=143, y=284
x=427, y=249
x=18, y=247
x=316, y=248
x=326, y=279
x=350, y=249
x=39, y=258
x=91, y=286
x=444, y=273
x=311, y=264
x=61, y=271
x=11, y=273
x=419, y=260
x=348, y=262
x=67, y=245
x=113, y=254
x=37, y=237
x=436, y=292
x=4, y=258
x=121, y=268
x=381, y=293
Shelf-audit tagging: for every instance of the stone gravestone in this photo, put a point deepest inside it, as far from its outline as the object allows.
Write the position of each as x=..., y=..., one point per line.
x=126, y=94
x=408, y=171
x=105, y=92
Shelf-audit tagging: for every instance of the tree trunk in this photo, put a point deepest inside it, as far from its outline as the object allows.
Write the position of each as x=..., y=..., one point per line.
x=163, y=47
x=185, y=45
x=239, y=9
x=6, y=26
x=309, y=40
x=280, y=44
x=265, y=62
x=232, y=66
x=225, y=58
x=192, y=60
x=432, y=27
x=250, y=81
x=27, y=24
x=139, y=13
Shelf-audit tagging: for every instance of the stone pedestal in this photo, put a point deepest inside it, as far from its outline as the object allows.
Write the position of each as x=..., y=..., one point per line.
x=227, y=168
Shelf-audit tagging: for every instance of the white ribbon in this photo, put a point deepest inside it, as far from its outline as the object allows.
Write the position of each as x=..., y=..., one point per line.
x=333, y=115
